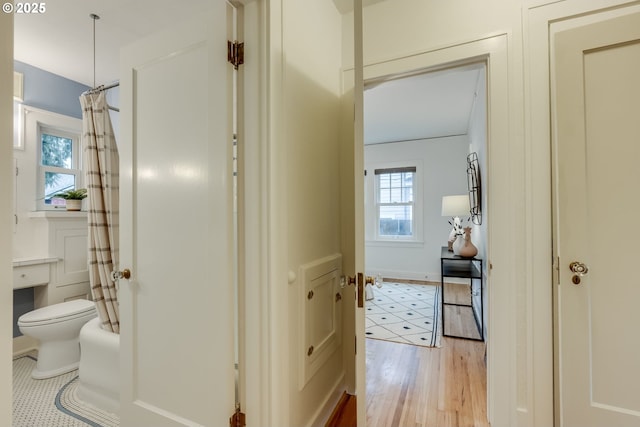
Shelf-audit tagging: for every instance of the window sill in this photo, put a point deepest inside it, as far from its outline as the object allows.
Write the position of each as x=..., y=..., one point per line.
x=60, y=214
x=395, y=243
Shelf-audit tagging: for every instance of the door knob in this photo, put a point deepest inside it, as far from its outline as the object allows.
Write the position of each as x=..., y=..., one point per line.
x=578, y=268
x=377, y=280
x=124, y=274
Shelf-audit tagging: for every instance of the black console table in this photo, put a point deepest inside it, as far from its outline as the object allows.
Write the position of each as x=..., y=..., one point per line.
x=467, y=268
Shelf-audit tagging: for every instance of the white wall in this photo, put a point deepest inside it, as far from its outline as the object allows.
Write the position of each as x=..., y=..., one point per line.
x=6, y=215
x=304, y=184
x=443, y=169
x=478, y=144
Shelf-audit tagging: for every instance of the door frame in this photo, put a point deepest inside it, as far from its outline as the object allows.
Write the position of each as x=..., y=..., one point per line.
x=537, y=19
x=6, y=212
x=257, y=391
x=501, y=336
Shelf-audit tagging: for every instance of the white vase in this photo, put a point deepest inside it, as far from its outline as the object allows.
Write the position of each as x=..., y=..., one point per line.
x=458, y=244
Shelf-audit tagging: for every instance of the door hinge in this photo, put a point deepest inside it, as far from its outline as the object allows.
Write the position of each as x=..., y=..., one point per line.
x=360, y=290
x=235, y=53
x=238, y=419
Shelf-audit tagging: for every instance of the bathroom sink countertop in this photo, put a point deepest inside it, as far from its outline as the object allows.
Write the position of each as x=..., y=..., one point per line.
x=20, y=262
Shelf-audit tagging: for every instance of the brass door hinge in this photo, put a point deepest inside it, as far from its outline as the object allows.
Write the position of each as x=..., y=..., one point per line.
x=360, y=290
x=238, y=419
x=235, y=53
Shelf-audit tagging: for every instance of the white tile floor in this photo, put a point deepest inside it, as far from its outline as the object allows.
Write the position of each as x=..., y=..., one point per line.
x=51, y=402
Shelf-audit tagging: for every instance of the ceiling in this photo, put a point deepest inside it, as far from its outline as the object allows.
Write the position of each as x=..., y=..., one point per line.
x=428, y=105
x=61, y=41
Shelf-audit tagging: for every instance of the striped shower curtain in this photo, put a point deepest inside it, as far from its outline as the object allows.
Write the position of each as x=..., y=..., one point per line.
x=100, y=160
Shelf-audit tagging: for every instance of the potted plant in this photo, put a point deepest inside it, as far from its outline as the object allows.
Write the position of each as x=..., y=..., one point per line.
x=73, y=198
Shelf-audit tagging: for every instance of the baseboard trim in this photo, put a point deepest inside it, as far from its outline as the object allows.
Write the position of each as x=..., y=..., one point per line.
x=325, y=410
x=405, y=275
x=409, y=281
x=426, y=282
x=342, y=411
x=411, y=277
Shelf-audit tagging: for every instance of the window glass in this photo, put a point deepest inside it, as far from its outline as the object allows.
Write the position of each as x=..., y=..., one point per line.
x=396, y=220
x=59, y=168
x=395, y=202
x=57, y=151
x=55, y=182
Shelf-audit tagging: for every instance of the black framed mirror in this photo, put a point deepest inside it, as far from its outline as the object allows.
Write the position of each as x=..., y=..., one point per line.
x=475, y=188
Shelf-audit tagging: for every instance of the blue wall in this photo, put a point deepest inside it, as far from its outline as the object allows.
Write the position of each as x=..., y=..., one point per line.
x=50, y=92
x=22, y=303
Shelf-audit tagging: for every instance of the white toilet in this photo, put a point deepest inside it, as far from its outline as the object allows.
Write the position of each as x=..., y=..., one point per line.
x=57, y=328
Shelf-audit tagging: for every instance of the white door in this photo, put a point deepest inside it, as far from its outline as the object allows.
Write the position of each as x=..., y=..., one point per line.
x=358, y=164
x=597, y=173
x=177, y=310
x=352, y=206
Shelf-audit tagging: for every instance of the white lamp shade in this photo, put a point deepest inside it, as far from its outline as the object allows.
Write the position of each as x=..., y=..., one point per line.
x=456, y=205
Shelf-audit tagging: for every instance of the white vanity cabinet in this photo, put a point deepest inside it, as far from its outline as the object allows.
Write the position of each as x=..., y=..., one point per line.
x=31, y=273
x=34, y=273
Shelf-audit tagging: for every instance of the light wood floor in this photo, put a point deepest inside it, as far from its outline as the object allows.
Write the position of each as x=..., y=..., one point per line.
x=420, y=386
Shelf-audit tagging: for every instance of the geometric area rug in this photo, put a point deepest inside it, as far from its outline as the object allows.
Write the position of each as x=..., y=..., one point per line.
x=404, y=313
x=52, y=402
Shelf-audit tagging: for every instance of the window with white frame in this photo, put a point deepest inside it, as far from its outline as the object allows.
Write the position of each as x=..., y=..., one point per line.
x=395, y=203
x=54, y=140
x=59, y=167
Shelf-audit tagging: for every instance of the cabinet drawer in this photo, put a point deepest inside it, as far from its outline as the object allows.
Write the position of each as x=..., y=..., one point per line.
x=30, y=275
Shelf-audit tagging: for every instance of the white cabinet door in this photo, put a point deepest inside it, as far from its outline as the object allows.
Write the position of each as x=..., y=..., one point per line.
x=177, y=310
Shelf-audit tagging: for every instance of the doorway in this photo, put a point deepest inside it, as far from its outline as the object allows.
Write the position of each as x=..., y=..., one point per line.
x=418, y=128
x=187, y=172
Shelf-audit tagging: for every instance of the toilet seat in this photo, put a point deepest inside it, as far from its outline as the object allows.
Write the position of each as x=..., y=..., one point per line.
x=58, y=313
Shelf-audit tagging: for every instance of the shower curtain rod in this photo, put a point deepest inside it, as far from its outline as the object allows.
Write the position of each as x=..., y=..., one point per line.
x=98, y=89
x=101, y=88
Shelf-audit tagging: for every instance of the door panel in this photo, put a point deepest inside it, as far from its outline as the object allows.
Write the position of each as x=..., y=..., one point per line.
x=597, y=143
x=358, y=165
x=177, y=310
